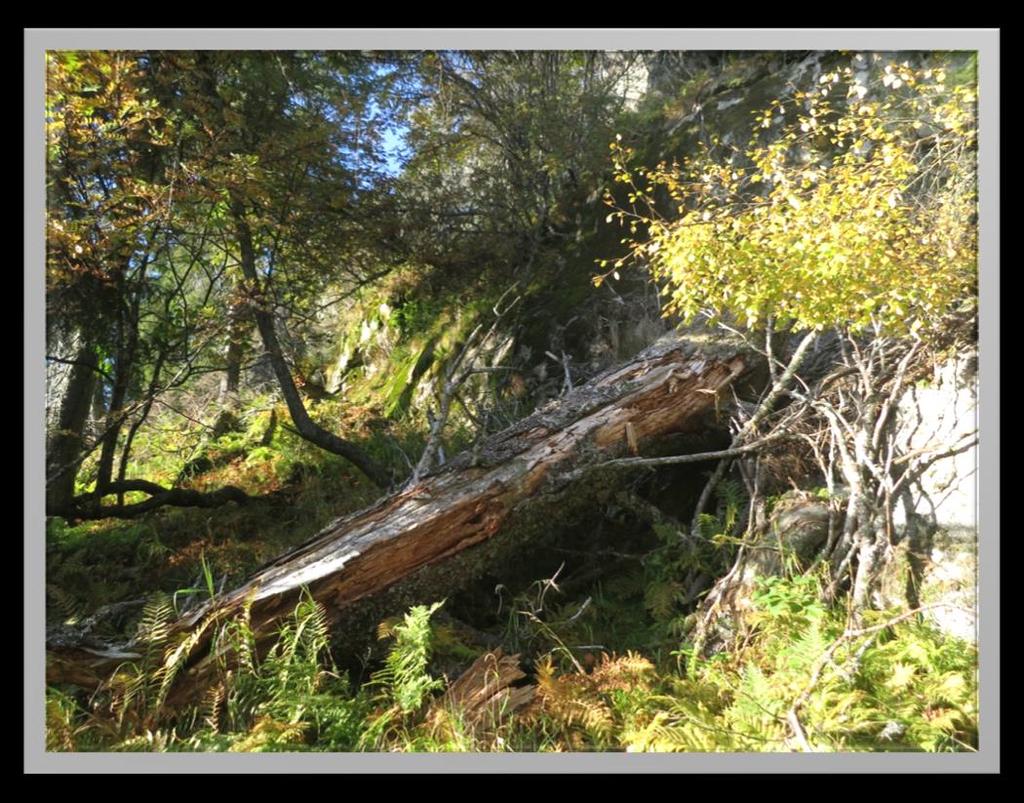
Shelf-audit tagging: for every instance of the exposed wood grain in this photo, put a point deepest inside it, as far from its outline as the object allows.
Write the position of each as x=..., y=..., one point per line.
x=486, y=693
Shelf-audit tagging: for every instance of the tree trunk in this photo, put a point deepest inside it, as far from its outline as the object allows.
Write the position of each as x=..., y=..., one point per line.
x=481, y=510
x=99, y=410
x=233, y=353
x=264, y=316
x=227, y=397
x=65, y=439
x=127, y=345
x=112, y=428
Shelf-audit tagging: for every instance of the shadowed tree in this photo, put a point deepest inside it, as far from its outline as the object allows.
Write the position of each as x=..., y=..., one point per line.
x=108, y=205
x=279, y=160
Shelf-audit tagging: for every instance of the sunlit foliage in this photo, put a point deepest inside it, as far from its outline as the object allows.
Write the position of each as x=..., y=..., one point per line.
x=853, y=203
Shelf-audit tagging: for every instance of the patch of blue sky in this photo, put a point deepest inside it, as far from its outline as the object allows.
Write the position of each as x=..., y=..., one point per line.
x=395, y=147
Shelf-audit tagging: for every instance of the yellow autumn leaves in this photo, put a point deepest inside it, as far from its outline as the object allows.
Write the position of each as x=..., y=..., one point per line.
x=856, y=210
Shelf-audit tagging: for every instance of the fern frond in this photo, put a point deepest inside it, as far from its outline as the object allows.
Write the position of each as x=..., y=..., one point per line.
x=624, y=673
x=64, y=606
x=406, y=663
x=128, y=687
x=154, y=625
x=386, y=628
x=176, y=658
x=661, y=598
x=62, y=733
x=212, y=703
x=269, y=734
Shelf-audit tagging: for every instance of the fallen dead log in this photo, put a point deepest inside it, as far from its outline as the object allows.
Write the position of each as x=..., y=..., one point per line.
x=419, y=543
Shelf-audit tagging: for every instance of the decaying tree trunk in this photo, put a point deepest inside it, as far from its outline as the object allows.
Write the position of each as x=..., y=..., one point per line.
x=486, y=694
x=426, y=538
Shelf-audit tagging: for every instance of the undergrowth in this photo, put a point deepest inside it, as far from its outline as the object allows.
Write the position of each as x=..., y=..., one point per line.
x=610, y=663
x=895, y=684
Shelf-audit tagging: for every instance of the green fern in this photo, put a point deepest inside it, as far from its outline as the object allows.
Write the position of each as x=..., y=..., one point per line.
x=403, y=683
x=292, y=699
x=69, y=728
x=293, y=666
x=404, y=674
x=731, y=499
x=176, y=657
x=62, y=605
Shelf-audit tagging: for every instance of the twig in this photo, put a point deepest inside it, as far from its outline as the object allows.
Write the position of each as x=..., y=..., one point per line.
x=673, y=460
x=767, y=404
x=564, y=362
x=455, y=376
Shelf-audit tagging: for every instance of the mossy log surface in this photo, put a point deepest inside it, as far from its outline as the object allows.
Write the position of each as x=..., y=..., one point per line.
x=416, y=540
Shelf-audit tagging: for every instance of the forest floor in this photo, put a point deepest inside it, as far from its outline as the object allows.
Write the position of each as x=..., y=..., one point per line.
x=606, y=656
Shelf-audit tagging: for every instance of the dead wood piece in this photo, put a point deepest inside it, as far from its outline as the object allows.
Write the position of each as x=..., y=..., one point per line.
x=486, y=693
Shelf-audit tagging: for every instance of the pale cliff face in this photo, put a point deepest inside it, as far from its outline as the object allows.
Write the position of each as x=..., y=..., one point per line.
x=939, y=415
